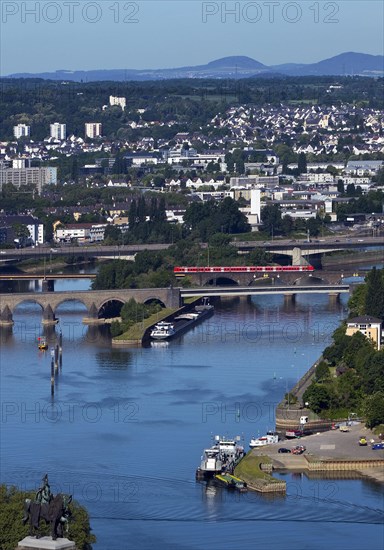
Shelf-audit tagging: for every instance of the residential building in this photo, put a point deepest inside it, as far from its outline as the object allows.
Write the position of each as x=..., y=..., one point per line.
x=96, y=233
x=39, y=177
x=119, y=101
x=92, y=129
x=20, y=163
x=371, y=327
x=248, y=181
x=140, y=159
x=21, y=130
x=9, y=236
x=80, y=232
x=58, y=131
x=363, y=167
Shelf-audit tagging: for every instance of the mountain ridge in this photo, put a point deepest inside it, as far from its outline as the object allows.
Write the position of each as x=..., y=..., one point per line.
x=236, y=67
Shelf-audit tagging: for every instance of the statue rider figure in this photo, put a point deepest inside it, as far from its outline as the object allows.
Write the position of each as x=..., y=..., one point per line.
x=44, y=495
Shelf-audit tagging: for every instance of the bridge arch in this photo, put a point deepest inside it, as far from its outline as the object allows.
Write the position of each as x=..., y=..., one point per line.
x=221, y=281
x=154, y=300
x=25, y=302
x=69, y=299
x=111, y=307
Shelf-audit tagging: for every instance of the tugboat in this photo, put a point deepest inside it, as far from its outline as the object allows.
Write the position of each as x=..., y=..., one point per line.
x=268, y=439
x=163, y=331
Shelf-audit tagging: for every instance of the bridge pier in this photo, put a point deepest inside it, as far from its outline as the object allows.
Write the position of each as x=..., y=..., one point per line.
x=48, y=285
x=93, y=316
x=48, y=316
x=297, y=258
x=289, y=298
x=334, y=298
x=6, y=318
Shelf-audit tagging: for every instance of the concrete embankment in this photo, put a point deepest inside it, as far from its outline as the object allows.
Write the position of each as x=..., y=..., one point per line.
x=352, y=259
x=288, y=414
x=331, y=452
x=256, y=471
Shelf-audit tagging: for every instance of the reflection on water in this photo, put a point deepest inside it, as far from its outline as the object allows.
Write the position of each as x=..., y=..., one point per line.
x=114, y=359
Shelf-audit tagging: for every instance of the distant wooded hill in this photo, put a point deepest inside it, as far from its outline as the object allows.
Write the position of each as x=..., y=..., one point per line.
x=235, y=67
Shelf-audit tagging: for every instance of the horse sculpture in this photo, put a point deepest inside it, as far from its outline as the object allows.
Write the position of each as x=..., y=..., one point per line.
x=56, y=513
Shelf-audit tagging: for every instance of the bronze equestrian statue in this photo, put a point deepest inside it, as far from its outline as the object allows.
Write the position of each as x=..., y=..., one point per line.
x=54, y=510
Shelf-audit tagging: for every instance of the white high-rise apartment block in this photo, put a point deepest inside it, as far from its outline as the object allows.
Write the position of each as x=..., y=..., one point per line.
x=256, y=204
x=92, y=129
x=119, y=101
x=58, y=131
x=21, y=130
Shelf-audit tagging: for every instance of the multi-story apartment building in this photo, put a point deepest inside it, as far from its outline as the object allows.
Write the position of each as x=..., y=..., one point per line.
x=39, y=177
x=92, y=129
x=119, y=101
x=58, y=131
x=371, y=327
x=21, y=130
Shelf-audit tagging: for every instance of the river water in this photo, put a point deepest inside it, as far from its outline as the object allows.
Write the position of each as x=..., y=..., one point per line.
x=125, y=429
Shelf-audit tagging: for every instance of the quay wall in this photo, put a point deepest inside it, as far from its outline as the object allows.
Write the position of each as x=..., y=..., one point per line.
x=288, y=417
x=341, y=465
x=264, y=487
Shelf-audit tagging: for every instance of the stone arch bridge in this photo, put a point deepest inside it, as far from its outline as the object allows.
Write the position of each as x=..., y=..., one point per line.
x=93, y=300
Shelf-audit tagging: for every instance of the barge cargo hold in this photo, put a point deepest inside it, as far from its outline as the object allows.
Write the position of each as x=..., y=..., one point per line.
x=176, y=326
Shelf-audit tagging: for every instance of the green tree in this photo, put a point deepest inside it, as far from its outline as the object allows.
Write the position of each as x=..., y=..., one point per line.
x=132, y=215
x=302, y=164
x=374, y=298
x=286, y=225
x=322, y=371
x=112, y=235
x=356, y=303
x=319, y=397
x=20, y=231
x=120, y=164
x=374, y=409
x=340, y=186
x=271, y=219
x=372, y=372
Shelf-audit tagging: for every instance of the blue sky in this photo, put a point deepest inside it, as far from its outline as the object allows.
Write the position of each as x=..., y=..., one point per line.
x=45, y=35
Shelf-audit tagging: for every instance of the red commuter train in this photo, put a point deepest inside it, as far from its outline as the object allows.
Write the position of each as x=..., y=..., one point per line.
x=243, y=269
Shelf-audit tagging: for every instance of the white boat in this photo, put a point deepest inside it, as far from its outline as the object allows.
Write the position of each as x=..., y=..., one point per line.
x=268, y=439
x=211, y=462
x=162, y=331
x=221, y=457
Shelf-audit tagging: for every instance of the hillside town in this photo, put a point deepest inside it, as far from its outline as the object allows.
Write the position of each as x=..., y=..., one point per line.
x=305, y=160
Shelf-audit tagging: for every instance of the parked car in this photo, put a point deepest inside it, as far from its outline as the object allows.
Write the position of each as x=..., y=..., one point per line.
x=345, y=429
x=377, y=446
x=298, y=450
x=284, y=450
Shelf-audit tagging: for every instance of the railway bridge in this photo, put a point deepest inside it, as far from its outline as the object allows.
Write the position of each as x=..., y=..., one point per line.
x=213, y=277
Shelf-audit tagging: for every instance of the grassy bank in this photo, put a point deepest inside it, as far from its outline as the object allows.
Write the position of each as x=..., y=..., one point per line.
x=136, y=332
x=249, y=470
